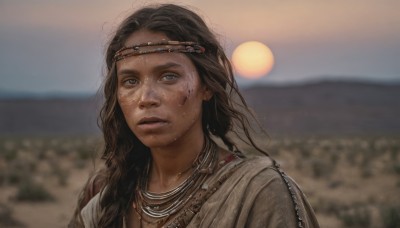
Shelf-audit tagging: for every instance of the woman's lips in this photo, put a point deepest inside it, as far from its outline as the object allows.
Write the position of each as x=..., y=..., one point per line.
x=151, y=123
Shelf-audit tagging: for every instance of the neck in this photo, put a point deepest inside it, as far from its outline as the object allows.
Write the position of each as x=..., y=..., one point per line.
x=172, y=164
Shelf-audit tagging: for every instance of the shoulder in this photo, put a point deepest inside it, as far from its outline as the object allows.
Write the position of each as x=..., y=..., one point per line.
x=93, y=186
x=91, y=211
x=272, y=197
x=267, y=196
x=256, y=170
x=260, y=175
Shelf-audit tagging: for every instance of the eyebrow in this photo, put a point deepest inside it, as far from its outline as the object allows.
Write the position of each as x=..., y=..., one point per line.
x=156, y=68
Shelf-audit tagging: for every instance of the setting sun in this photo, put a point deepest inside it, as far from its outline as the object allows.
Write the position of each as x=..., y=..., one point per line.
x=252, y=59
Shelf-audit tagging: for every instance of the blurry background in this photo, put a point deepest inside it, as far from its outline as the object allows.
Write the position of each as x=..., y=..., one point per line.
x=330, y=104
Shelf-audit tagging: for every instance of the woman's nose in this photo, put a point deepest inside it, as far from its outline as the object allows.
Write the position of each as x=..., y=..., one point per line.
x=149, y=96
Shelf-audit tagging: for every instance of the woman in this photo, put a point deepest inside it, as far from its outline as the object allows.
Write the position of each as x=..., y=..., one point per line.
x=168, y=92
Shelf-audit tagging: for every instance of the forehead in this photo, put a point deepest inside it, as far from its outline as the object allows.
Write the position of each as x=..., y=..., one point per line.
x=144, y=36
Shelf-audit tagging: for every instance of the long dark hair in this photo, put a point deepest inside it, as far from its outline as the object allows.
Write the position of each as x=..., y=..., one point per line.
x=124, y=154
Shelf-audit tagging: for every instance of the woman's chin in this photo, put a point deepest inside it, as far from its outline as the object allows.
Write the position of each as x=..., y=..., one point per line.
x=157, y=142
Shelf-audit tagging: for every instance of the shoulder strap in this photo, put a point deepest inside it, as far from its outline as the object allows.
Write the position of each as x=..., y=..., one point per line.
x=286, y=179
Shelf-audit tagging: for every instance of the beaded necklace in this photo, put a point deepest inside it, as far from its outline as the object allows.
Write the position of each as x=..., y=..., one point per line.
x=156, y=208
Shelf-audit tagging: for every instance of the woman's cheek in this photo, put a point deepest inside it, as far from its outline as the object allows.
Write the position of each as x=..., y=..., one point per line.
x=183, y=98
x=126, y=100
x=126, y=95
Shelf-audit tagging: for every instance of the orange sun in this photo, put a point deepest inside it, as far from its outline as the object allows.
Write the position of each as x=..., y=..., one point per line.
x=252, y=59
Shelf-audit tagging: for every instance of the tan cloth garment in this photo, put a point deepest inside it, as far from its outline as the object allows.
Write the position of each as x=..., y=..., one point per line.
x=254, y=195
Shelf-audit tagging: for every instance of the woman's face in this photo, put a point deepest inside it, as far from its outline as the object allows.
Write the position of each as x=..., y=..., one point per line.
x=160, y=94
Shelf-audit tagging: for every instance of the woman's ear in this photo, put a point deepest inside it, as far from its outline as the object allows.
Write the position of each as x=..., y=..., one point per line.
x=207, y=94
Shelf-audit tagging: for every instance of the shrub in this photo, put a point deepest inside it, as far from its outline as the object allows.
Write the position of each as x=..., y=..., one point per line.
x=327, y=206
x=366, y=172
x=15, y=178
x=321, y=168
x=10, y=155
x=32, y=192
x=6, y=218
x=61, y=174
x=396, y=168
x=356, y=217
x=391, y=216
x=85, y=153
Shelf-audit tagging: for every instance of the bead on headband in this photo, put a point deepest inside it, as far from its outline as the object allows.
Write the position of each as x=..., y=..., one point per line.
x=165, y=46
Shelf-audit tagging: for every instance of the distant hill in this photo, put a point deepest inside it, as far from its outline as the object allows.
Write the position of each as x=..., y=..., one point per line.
x=323, y=108
x=328, y=108
x=49, y=116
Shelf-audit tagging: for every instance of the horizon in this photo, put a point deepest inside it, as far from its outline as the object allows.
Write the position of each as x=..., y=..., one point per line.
x=10, y=94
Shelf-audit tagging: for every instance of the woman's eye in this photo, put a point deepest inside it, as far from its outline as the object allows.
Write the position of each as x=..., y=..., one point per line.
x=169, y=77
x=130, y=82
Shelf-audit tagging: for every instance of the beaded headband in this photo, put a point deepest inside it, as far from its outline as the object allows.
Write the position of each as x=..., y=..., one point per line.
x=166, y=46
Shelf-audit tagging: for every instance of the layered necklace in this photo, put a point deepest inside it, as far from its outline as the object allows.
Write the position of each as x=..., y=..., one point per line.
x=156, y=208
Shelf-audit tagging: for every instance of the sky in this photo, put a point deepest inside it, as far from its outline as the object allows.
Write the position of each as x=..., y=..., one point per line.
x=49, y=46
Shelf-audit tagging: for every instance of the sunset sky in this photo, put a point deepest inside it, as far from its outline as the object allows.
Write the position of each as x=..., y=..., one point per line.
x=58, y=45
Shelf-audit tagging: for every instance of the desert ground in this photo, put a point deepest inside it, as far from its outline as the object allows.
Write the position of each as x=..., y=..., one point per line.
x=350, y=182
